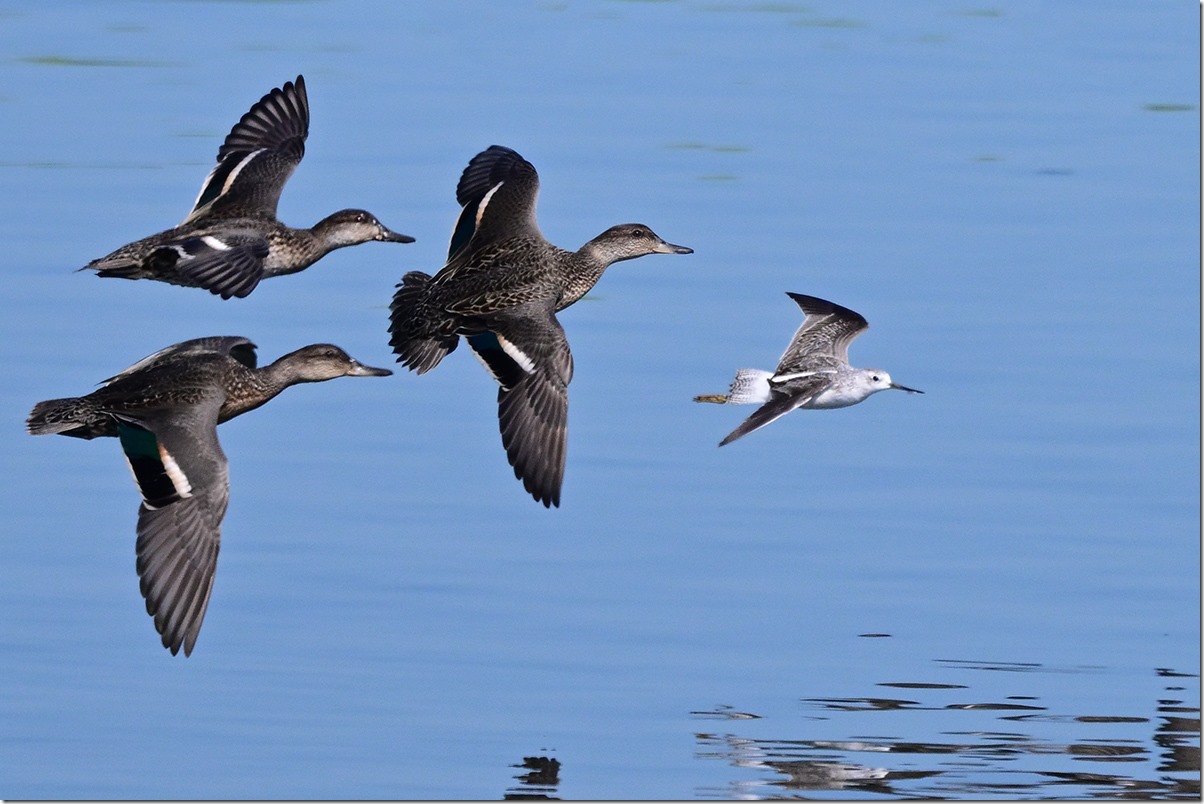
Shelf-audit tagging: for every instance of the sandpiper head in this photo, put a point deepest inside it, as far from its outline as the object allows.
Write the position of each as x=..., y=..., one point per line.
x=325, y=361
x=350, y=227
x=880, y=381
x=630, y=240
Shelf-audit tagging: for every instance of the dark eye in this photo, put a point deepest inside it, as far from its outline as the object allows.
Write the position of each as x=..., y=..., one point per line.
x=876, y=378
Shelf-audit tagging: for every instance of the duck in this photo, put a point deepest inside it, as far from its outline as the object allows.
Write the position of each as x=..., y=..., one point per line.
x=232, y=239
x=813, y=372
x=164, y=410
x=500, y=289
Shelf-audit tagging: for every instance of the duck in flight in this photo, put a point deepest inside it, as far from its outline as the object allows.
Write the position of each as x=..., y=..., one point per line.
x=232, y=239
x=165, y=410
x=500, y=289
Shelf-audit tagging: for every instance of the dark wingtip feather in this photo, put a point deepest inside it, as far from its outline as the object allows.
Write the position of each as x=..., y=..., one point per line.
x=813, y=305
x=279, y=119
x=492, y=165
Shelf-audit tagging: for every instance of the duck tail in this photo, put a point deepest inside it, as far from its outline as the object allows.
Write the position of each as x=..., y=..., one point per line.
x=417, y=336
x=120, y=269
x=122, y=264
x=72, y=416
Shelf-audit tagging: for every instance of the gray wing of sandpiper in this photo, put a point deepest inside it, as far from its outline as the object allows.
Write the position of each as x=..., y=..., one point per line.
x=784, y=399
x=827, y=330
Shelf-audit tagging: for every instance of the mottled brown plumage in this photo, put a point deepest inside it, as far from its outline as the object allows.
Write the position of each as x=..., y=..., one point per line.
x=232, y=239
x=165, y=410
x=501, y=288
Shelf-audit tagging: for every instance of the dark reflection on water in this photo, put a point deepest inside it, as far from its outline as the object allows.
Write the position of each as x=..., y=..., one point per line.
x=538, y=782
x=1027, y=759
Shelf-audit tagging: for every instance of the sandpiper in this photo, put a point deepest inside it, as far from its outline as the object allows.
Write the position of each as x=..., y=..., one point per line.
x=814, y=371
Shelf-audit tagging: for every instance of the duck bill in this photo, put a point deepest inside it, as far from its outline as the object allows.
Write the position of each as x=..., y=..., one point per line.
x=668, y=248
x=389, y=236
x=358, y=369
x=905, y=388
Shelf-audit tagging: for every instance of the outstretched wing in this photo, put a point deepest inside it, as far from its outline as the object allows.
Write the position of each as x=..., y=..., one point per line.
x=827, y=329
x=182, y=473
x=258, y=156
x=527, y=353
x=497, y=193
x=800, y=391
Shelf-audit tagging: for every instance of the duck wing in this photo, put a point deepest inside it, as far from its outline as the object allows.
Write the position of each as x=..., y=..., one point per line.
x=183, y=476
x=526, y=351
x=229, y=265
x=497, y=194
x=235, y=346
x=258, y=156
x=224, y=263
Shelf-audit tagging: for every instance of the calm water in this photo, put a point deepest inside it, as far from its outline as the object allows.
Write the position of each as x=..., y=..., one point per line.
x=991, y=590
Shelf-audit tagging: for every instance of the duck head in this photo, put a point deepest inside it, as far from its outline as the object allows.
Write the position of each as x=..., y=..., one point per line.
x=630, y=240
x=350, y=227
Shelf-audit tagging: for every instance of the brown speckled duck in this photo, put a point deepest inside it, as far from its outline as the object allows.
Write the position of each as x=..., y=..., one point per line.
x=501, y=289
x=232, y=239
x=165, y=409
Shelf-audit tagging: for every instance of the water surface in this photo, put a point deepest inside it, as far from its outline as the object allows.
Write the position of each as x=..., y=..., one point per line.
x=1008, y=192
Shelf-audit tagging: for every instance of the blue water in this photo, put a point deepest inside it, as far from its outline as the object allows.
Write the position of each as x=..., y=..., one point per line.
x=991, y=590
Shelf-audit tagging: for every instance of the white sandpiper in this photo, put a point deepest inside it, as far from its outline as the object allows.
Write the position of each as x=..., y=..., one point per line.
x=814, y=371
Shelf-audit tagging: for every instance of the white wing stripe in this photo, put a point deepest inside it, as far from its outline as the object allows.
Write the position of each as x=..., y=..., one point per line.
x=225, y=185
x=485, y=201
x=214, y=243
x=175, y=474
x=516, y=354
x=238, y=169
x=795, y=375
